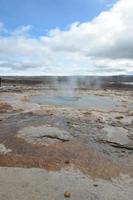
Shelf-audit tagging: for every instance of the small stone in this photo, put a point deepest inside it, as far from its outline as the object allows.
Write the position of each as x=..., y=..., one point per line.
x=95, y=185
x=67, y=161
x=67, y=194
x=119, y=117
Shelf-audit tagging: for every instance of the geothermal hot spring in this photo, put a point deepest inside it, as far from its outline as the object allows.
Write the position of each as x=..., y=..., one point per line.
x=91, y=101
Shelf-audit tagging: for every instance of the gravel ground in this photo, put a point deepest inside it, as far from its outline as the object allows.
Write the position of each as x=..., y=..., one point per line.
x=36, y=138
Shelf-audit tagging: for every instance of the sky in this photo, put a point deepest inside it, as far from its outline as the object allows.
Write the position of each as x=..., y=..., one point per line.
x=73, y=37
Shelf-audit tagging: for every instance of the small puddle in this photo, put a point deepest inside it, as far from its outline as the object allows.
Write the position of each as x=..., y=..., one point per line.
x=91, y=101
x=117, y=134
x=7, y=97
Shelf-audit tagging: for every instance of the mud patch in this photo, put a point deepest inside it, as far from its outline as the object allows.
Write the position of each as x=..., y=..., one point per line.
x=44, y=135
x=54, y=157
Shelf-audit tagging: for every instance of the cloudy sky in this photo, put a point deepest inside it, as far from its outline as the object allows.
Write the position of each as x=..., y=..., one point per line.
x=73, y=37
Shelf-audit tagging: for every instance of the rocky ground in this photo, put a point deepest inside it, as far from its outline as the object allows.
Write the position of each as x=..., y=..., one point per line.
x=72, y=151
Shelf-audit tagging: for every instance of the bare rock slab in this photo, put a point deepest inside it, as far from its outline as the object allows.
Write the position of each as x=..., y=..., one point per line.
x=4, y=150
x=44, y=135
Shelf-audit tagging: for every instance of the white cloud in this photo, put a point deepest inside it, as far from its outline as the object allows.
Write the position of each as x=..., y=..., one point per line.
x=101, y=46
x=22, y=30
x=2, y=28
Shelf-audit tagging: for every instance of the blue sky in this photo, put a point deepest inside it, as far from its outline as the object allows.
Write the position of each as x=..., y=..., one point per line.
x=49, y=14
x=66, y=37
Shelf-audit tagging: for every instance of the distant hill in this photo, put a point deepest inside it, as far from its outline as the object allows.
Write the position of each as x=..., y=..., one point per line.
x=72, y=81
